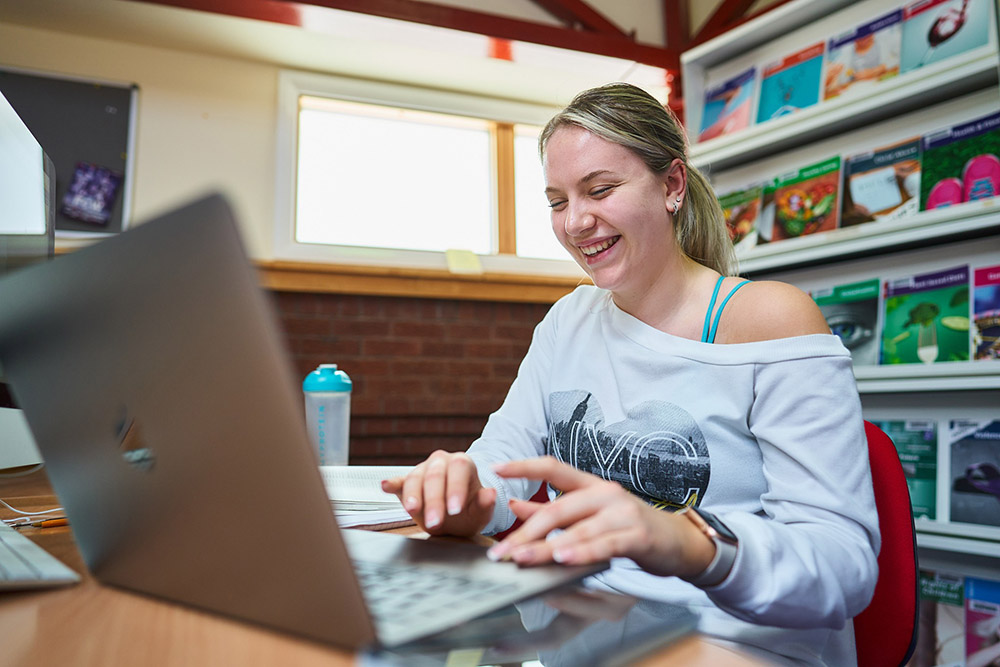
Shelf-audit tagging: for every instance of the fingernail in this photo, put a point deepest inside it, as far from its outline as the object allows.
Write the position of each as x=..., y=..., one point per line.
x=432, y=519
x=454, y=507
x=410, y=503
x=563, y=555
x=497, y=552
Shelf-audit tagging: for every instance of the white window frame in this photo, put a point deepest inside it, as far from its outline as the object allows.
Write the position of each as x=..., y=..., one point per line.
x=293, y=84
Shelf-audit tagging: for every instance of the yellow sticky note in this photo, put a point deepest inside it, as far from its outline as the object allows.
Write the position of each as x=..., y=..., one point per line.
x=463, y=261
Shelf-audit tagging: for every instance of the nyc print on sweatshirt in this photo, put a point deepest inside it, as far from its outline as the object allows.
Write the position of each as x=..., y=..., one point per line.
x=657, y=452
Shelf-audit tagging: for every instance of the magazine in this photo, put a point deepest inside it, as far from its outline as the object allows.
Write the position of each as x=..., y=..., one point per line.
x=926, y=318
x=728, y=106
x=791, y=83
x=986, y=312
x=934, y=30
x=916, y=444
x=882, y=184
x=742, y=209
x=851, y=311
x=974, y=449
x=982, y=621
x=805, y=201
x=960, y=163
x=942, y=613
x=863, y=56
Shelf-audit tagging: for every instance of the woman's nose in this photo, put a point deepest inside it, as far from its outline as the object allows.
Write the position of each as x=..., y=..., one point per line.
x=579, y=219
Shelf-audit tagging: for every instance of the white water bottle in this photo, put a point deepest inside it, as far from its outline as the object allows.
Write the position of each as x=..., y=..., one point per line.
x=327, y=394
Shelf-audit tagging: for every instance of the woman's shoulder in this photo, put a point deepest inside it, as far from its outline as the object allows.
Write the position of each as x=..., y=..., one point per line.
x=769, y=310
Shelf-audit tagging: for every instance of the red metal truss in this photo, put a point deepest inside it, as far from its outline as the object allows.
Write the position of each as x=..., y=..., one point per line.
x=576, y=13
x=615, y=45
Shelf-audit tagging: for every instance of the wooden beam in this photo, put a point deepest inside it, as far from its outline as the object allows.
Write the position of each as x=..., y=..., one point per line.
x=576, y=13
x=677, y=24
x=444, y=16
x=726, y=12
x=503, y=147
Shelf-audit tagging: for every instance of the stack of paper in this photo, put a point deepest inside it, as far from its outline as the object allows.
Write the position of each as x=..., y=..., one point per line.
x=358, y=499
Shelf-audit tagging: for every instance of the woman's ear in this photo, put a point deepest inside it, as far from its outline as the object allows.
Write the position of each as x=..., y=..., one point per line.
x=675, y=184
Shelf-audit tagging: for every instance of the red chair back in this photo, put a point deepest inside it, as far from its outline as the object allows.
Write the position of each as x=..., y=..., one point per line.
x=886, y=631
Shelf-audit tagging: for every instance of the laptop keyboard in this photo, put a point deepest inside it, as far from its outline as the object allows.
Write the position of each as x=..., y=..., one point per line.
x=393, y=591
x=24, y=564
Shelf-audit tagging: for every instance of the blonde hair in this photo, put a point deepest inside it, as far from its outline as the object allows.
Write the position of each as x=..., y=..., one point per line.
x=629, y=116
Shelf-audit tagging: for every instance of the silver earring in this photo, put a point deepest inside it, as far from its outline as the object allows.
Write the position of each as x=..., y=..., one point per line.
x=677, y=203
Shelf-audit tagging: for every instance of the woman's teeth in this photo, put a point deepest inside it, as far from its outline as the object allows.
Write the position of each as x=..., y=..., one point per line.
x=592, y=250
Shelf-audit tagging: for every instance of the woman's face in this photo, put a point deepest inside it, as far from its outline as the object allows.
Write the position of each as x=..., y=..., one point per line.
x=609, y=210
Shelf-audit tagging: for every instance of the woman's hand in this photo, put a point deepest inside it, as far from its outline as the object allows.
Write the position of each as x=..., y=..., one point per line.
x=444, y=496
x=599, y=520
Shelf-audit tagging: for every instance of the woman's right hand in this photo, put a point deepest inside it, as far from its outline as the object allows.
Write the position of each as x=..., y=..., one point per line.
x=444, y=496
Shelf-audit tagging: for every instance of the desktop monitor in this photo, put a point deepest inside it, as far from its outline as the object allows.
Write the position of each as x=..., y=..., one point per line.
x=27, y=235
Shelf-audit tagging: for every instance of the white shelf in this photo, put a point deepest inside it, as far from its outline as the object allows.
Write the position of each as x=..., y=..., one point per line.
x=923, y=228
x=955, y=76
x=958, y=544
x=943, y=376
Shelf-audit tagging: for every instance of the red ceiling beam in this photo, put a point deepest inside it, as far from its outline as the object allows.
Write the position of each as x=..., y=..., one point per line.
x=576, y=13
x=727, y=12
x=427, y=13
x=707, y=31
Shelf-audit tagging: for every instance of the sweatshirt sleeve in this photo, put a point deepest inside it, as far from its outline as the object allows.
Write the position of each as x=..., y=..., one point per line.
x=810, y=559
x=519, y=428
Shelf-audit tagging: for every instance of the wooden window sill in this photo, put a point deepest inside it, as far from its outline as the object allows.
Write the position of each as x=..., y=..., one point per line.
x=284, y=276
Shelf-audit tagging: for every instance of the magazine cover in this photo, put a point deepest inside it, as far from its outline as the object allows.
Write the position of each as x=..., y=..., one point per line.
x=805, y=201
x=851, y=311
x=941, y=640
x=986, y=312
x=934, y=30
x=91, y=193
x=926, y=318
x=960, y=163
x=974, y=447
x=859, y=58
x=791, y=84
x=728, y=106
x=882, y=184
x=916, y=443
x=742, y=209
x=982, y=622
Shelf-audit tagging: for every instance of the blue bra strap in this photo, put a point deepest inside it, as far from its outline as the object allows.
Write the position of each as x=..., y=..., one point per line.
x=718, y=314
x=711, y=307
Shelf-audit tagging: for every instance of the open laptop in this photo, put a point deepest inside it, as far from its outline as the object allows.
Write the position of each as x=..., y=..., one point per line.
x=155, y=380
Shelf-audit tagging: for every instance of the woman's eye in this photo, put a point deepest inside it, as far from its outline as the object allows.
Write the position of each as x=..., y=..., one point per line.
x=557, y=204
x=601, y=191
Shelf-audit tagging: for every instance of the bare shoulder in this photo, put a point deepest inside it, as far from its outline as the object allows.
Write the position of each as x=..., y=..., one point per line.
x=768, y=310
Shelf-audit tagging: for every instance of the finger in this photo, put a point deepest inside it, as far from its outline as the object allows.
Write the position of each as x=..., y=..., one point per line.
x=393, y=485
x=434, y=487
x=526, y=545
x=549, y=469
x=412, y=494
x=462, y=478
x=524, y=509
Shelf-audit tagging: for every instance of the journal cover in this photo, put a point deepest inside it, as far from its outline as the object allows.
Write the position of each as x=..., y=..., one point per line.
x=974, y=447
x=942, y=614
x=916, y=443
x=791, y=83
x=851, y=311
x=882, y=184
x=91, y=193
x=982, y=621
x=742, y=209
x=859, y=58
x=926, y=318
x=728, y=106
x=960, y=163
x=986, y=312
x=805, y=201
x=934, y=30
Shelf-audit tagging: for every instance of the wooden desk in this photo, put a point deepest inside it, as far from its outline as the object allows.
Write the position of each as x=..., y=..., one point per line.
x=93, y=624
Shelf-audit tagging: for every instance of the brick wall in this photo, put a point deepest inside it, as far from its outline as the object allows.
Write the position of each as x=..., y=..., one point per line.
x=427, y=372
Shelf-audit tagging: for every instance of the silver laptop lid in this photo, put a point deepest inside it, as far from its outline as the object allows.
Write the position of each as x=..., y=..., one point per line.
x=160, y=394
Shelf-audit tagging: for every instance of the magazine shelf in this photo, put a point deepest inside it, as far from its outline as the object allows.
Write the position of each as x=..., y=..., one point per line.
x=940, y=376
x=956, y=76
x=927, y=539
x=924, y=228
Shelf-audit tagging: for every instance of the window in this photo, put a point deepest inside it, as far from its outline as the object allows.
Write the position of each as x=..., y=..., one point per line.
x=383, y=174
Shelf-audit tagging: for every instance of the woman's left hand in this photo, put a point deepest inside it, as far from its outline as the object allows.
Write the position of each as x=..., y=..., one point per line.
x=599, y=520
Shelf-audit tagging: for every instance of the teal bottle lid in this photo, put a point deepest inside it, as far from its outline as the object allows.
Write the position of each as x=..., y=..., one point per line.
x=327, y=378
